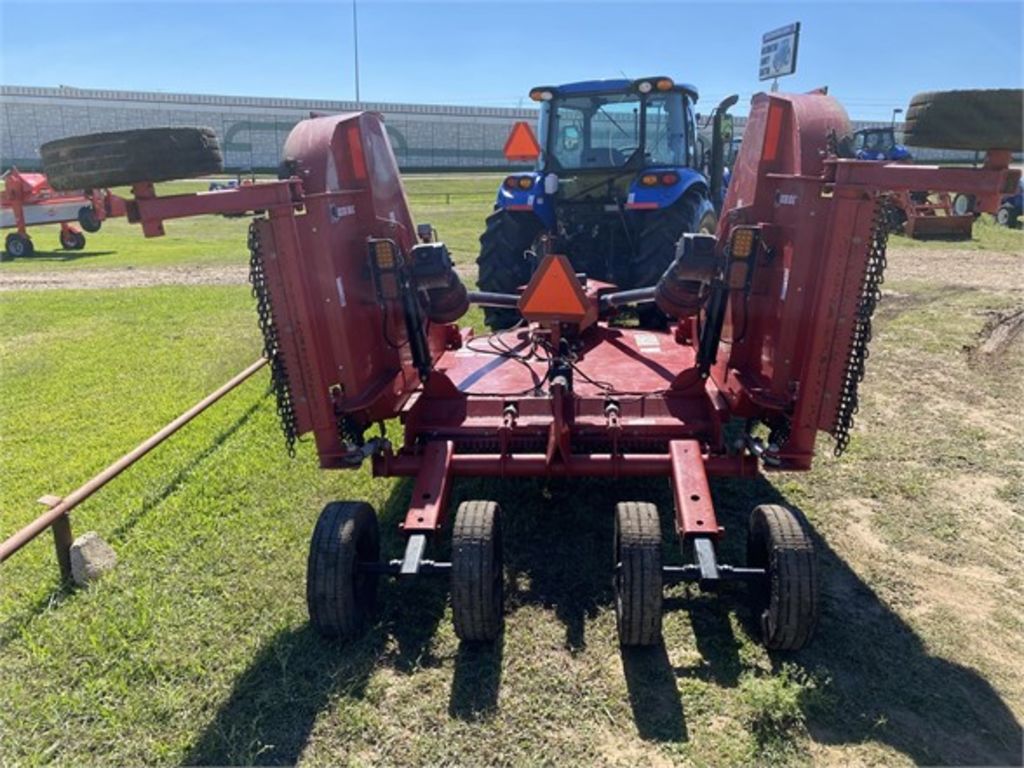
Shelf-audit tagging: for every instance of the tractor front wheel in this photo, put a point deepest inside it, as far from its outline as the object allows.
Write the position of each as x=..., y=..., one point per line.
x=637, y=562
x=502, y=265
x=339, y=595
x=787, y=601
x=18, y=246
x=478, y=578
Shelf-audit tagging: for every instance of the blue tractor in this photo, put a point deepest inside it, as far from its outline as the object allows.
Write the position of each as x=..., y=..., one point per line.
x=879, y=144
x=620, y=178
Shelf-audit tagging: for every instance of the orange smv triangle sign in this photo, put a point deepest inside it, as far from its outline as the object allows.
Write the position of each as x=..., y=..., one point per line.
x=522, y=144
x=554, y=293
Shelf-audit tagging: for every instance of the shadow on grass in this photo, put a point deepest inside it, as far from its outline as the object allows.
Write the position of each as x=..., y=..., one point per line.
x=653, y=694
x=270, y=713
x=185, y=472
x=476, y=681
x=884, y=684
x=64, y=256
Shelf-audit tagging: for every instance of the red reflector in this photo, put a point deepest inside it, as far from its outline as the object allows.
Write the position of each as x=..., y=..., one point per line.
x=522, y=144
x=554, y=293
x=355, y=151
x=772, y=132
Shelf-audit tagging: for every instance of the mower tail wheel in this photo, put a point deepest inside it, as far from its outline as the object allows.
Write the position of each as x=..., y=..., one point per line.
x=88, y=220
x=118, y=158
x=638, y=587
x=70, y=240
x=974, y=119
x=339, y=596
x=787, y=603
x=18, y=246
x=478, y=579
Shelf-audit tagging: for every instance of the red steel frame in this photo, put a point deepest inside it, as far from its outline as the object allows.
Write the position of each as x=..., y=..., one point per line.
x=783, y=355
x=22, y=191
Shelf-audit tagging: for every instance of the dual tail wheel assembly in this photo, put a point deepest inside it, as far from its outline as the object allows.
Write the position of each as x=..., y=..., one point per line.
x=785, y=600
x=344, y=569
x=341, y=575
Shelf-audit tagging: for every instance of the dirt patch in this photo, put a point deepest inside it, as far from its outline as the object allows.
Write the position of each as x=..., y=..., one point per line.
x=999, y=332
x=123, y=278
x=992, y=270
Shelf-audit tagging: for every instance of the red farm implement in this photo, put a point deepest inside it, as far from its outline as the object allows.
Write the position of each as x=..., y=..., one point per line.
x=765, y=348
x=28, y=200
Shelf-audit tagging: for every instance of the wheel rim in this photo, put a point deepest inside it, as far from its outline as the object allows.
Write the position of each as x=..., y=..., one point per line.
x=1003, y=217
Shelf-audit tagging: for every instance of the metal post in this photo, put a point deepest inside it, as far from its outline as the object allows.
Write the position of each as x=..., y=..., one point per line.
x=355, y=40
x=62, y=538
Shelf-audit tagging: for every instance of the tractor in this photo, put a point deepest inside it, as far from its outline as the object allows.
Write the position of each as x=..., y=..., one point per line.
x=617, y=182
x=879, y=144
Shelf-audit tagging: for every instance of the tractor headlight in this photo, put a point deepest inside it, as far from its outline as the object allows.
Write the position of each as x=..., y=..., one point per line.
x=525, y=182
x=541, y=94
x=645, y=87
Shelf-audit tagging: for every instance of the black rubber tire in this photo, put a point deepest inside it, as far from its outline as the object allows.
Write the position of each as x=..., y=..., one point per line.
x=19, y=246
x=501, y=266
x=787, y=603
x=87, y=219
x=339, y=597
x=963, y=205
x=1008, y=216
x=661, y=231
x=478, y=579
x=70, y=240
x=638, y=585
x=974, y=119
x=117, y=158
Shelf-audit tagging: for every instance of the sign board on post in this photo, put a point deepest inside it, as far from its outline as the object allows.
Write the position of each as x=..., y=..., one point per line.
x=778, y=52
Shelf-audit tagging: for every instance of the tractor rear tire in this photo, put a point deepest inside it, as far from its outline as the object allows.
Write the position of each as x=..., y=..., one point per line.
x=787, y=603
x=501, y=265
x=638, y=585
x=478, y=578
x=976, y=119
x=88, y=220
x=117, y=158
x=19, y=246
x=339, y=596
x=658, y=238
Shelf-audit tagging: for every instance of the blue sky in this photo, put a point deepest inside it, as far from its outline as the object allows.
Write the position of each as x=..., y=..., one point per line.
x=873, y=56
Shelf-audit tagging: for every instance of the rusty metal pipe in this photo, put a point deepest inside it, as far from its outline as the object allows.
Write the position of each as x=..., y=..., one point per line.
x=83, y=492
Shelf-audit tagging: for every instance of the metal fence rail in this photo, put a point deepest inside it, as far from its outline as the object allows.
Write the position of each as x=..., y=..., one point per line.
x=57, y=517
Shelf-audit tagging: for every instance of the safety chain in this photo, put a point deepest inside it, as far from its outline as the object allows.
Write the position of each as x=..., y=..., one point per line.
x=870, y=293
x=271, y=343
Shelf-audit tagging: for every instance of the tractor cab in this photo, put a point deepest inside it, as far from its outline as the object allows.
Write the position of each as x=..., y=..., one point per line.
x=617, y=182
x=879, y=144
x=616, y=124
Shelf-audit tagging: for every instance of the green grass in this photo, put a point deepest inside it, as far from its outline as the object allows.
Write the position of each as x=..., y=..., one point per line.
x=196, y=648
